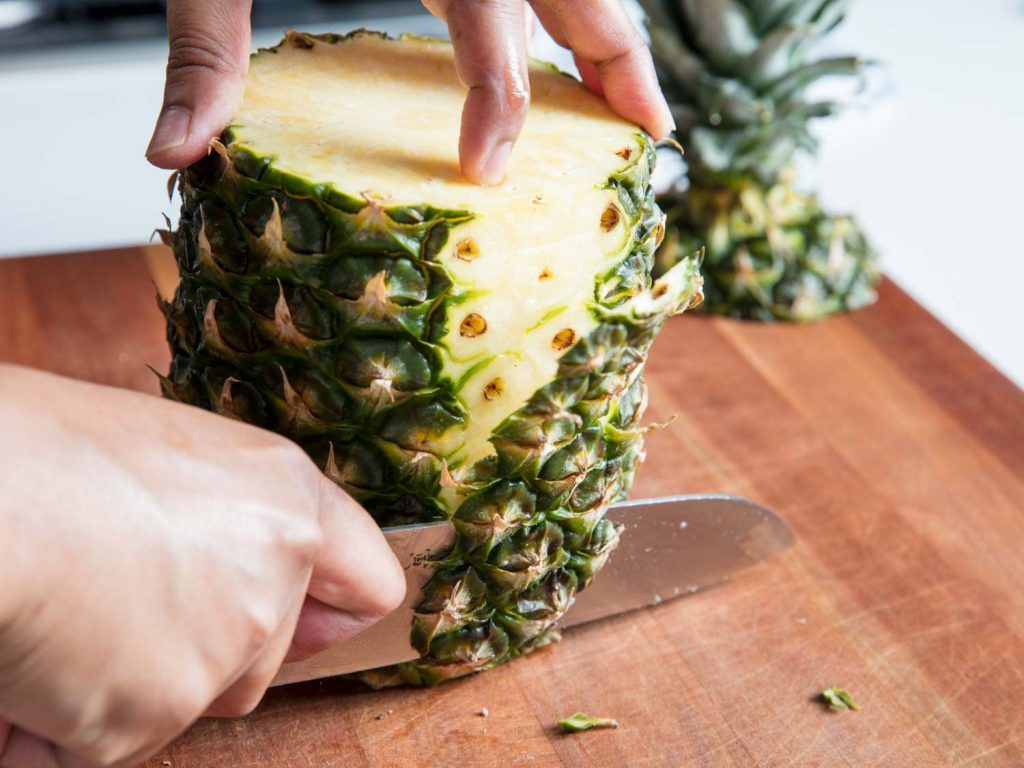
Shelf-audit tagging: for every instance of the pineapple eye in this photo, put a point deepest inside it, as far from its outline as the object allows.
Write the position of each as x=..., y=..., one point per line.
x=564, y=339
x=610, y=218
x=538, y=200
x=660, y=289
x=625, y=153
x=546, y=274
x=467, y=249
x=494, y=389
x=473, y=325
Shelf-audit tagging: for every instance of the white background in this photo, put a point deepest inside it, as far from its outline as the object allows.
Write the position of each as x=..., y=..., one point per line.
x=934, y=168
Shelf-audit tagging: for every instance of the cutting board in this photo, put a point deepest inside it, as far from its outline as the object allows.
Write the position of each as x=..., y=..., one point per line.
x=894, y=451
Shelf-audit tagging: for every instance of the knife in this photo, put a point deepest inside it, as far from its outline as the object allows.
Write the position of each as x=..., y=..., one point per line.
x=669, y=547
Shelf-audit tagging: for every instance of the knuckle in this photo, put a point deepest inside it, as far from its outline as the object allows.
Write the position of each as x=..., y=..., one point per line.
x=496, y=11
x=137, y=719
x=511, y=93
x=193, y=50
x=623, y=46
x=517, y=96
x=259, y=621
x=291, y=459
x=300, y=537
x=254, y=619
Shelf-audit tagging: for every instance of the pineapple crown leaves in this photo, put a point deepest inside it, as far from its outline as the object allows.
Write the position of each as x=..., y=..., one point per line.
x=737, y=74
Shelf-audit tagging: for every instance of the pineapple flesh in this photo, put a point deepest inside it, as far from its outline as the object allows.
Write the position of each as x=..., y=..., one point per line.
x=443, y=351
x=738, y=75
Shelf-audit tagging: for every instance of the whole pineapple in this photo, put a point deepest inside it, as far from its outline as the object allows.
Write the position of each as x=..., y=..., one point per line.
x=736, y=74
x=443, y=351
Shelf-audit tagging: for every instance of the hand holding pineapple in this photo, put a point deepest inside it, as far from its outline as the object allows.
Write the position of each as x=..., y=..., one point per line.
x=154, y=559
x=135, y=601
x=209, y=57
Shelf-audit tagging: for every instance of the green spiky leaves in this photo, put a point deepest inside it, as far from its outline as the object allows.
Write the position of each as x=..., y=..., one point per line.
x=739, y=77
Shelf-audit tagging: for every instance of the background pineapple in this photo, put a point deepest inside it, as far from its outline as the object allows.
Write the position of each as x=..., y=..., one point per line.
x=736, y=74
x=442, y=350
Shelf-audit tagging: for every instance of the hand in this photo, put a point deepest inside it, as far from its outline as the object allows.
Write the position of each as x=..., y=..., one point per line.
x=489, y=37
x=159, y=562
x=209, y=55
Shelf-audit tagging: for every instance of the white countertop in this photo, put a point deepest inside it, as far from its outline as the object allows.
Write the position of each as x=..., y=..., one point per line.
x=934, y=168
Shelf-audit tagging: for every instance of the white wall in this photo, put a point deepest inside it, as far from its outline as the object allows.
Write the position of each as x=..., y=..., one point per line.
x=934, y=169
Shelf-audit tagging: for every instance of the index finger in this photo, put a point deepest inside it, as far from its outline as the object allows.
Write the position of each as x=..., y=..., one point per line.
x=611, y=57
x=356, y=578
x=355, y=570
x=489, y=37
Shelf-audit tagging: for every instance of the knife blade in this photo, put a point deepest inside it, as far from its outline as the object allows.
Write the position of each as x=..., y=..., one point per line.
x=669, y=547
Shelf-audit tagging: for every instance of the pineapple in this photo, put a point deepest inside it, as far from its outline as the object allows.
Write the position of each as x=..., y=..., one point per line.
x=443, y=351
x=737, y=74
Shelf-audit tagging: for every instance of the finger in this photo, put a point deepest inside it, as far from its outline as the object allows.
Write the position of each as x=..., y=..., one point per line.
x=612, y=58
x=489, y=37
x=550, y=22
x=355, y=570
x=23, y=750
x=20, y=749
x=530, y=25
x=206, y=67
x=321, y=627
x=246, y=692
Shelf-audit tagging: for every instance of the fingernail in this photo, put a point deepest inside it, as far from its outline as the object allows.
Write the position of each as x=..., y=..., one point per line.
x=171, y=130
x=494, y=167
x=668, y=112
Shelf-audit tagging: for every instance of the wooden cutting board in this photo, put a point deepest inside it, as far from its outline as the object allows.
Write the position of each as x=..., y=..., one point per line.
x=894, y=451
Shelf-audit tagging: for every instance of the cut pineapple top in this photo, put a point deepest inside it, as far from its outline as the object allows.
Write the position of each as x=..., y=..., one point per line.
x=379, y=119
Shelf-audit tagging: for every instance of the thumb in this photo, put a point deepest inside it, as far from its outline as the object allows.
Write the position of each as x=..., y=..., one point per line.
x=209, y=56
x=356, y=578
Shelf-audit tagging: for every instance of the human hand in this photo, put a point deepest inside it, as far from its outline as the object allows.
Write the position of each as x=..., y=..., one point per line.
x=489, y=37
x=209, y=56
x=159, y=562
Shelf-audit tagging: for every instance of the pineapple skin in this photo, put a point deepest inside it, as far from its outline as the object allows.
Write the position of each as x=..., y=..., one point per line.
x=771, y=254
x=736, y=74
x=291, y=295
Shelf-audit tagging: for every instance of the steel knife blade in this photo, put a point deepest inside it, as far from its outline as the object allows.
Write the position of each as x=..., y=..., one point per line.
x=669, y=547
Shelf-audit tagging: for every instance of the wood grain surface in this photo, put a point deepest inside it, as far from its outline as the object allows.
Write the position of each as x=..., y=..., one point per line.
x=894, y=451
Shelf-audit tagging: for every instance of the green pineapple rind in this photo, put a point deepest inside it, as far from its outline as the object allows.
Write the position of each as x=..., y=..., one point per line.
x=772, y=254
x=296, y=300
x=737, y=75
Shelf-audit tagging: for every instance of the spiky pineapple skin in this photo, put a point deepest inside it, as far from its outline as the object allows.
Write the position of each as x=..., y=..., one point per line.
x=736, y=74
x=296, y=299
x=771, y=254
